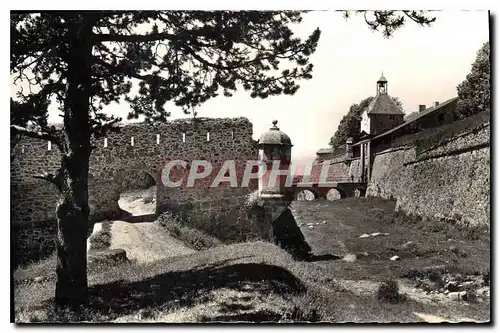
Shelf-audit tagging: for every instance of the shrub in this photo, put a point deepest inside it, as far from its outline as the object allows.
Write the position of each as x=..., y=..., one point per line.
x=191, y=237
x=389, y=291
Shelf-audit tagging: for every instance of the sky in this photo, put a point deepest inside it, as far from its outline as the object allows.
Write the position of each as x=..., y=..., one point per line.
x=422, y=65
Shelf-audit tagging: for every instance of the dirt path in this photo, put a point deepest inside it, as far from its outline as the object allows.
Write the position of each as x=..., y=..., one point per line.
x=143, y=241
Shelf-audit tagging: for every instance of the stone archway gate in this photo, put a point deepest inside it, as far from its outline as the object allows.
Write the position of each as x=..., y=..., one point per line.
x=139, y=147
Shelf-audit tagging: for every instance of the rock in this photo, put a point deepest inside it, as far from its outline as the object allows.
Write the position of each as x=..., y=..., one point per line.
x=469, y=296
x=375, y=234
x=324, y=222
x=484, y=291
x=486, y=278
x=408, y=244
x=350, y=258
x=427, y=286
x=394, y=258
x=364, y=236
x=385, y=234
x=446, y=292
x=311, y=227
x=457, y=295
x=365, y=254
x=452, y=286
x=38, y=279
x=465, y=285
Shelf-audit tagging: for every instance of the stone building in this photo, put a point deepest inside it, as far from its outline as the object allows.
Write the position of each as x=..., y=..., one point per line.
x=383, y=122
x=435, y=116
x=382, y=113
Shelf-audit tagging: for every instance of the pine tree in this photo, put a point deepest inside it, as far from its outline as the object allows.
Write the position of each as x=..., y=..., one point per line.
x=85, y=60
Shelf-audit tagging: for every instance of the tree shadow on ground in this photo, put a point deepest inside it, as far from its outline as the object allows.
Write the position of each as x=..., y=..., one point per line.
x=187, y=288
x=138, y=218
x=259, y=316
x=322, y=257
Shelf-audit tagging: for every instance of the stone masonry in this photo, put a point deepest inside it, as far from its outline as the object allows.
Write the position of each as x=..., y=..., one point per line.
x=448, y=181
x=228, y=139
x=140, y=148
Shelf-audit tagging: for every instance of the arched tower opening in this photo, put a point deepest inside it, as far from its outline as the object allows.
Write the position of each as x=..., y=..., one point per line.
x=138, y=194
x=333, y=194
x=305, y=195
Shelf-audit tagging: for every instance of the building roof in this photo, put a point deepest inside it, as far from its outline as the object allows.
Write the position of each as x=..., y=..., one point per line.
x=382, y=79
x=275, y=137
x=411, y=120
x=418, y=116
x=383, y=104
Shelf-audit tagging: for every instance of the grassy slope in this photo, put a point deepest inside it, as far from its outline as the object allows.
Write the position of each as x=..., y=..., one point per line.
x=258, y=281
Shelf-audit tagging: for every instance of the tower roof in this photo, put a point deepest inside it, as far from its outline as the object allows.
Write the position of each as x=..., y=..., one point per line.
x=275, y=137
x=382, y=79
x=383, y=104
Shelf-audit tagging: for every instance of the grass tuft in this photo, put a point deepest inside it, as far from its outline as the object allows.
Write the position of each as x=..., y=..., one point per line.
x=389, y=291
x=192, y=238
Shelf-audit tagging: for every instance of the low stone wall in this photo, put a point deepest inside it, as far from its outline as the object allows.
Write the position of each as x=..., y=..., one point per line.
x=228, y=218
x=450, y=180
x=32, y=241
x=345, y=168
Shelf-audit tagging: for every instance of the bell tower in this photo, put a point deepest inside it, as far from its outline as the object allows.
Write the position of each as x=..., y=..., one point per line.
x=382, y=85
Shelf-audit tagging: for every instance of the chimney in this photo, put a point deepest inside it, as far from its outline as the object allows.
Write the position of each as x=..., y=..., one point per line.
x=421, y=107
x=436, y=103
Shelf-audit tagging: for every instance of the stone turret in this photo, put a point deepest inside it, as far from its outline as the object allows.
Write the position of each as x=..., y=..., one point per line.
x=275, y=150
x=348, y=147
x=276, y=220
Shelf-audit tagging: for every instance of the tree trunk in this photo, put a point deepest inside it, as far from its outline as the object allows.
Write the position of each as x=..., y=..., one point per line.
x=73, y=208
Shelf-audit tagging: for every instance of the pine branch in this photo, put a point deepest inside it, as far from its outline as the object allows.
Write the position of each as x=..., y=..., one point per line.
x=101, y=129
x=36, y=134
x=56, y=179
x=133, y=37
